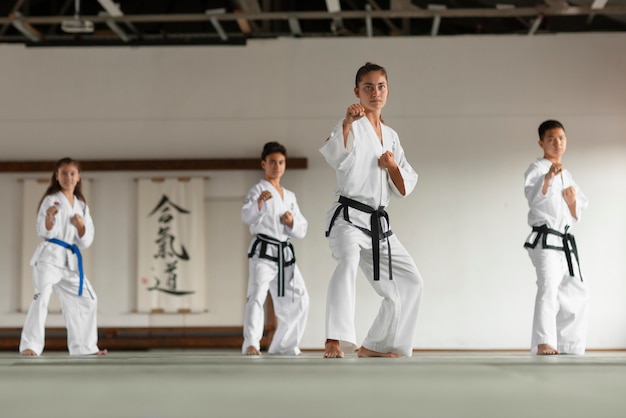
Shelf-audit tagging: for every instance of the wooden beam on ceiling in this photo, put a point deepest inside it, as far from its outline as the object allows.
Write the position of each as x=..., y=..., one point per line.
x=248, y=6
x=393, y=28
x=6, y=25
x=150, y=165
x=344, y=14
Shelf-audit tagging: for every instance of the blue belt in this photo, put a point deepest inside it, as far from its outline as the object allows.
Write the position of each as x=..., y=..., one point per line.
x=74, y=248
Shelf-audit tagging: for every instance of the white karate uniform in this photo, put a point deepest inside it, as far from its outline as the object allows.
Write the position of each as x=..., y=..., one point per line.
x=56, y=268
x=292, y=307
x=561, y=314
x=360, y=178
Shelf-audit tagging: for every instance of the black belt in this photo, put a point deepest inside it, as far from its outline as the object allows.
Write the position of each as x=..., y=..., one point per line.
x=264, y=241
x=569, y=245
x=375, y=231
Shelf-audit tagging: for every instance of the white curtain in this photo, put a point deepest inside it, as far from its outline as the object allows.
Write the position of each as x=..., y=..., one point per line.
x=171, y=246
x=33, y=190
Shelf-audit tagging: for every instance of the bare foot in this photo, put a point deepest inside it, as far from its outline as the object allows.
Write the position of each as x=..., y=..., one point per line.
x=546, y=350
x=98, y=353
x=28, y=353
x=332, y=350
x=366, y=352
x=252, y=351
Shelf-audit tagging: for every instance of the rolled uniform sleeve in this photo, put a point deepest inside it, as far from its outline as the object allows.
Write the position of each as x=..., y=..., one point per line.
x=42, y=232
x=300, y=224
x=337, y=155
x=250, y=212
x=409, y=176
x=87, y=239
x=551, y=209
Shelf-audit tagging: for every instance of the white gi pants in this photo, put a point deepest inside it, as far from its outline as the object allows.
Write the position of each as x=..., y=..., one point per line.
x=291, y=310
x=561, y=313
x=394, y=327
x=79, y=312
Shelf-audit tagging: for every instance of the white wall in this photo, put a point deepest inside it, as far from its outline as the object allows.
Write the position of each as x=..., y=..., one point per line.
x=466, y=109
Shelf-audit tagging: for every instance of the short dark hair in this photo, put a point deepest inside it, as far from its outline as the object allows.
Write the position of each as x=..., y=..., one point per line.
x=547, y=125
x=271, y=148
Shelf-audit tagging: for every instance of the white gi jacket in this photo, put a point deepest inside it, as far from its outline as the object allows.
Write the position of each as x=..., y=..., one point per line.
x=267, y=220
x=550, y=209
x=48, y=252
x=358, y=175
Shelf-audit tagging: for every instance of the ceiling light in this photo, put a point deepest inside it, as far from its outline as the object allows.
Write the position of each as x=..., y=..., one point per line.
x=77, y=25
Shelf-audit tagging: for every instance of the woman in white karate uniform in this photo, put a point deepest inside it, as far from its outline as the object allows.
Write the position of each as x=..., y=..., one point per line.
x=371, y=166
x=556, y=203
x=65, y=225
x=274, y=217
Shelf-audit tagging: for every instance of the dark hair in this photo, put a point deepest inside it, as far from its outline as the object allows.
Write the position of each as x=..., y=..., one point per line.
x=547, y=125
x=366, y=69
x=271, y=148
x=55, y=186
